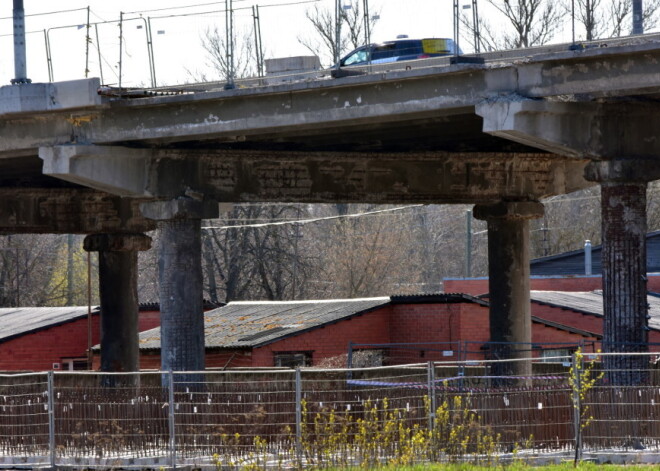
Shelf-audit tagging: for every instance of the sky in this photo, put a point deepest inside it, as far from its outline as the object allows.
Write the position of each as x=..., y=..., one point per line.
x=177, y=34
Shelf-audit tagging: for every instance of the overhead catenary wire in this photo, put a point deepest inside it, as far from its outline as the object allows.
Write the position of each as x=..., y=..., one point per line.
x=47, y=13
x=311, y=220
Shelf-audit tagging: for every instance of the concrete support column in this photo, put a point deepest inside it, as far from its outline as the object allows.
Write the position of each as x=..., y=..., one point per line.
x=119, y=300
x=508, y=275
x=181, y=301
x=180, y=279
x=623, y=213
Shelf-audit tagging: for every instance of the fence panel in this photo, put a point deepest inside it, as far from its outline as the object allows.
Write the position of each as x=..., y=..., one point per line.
x=105, y=416
x=232, y=414
x=24, y=424
x=441, y=411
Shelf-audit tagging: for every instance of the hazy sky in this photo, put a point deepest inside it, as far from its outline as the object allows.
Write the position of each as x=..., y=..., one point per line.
x=177, y=39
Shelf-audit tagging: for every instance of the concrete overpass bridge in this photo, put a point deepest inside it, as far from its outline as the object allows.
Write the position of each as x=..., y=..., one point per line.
x=76, y=157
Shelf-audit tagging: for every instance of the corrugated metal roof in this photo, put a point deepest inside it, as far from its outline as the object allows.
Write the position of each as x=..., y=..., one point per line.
x=22, y=320
x=590, y=302
x=255, y=323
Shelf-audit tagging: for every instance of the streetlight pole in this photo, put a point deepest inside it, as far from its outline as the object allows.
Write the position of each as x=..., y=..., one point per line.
x=638, y=17
x=229, y=43
x=337, y=31
x=20, y=61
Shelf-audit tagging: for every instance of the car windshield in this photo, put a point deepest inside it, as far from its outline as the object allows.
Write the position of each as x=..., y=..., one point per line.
x=358, y=56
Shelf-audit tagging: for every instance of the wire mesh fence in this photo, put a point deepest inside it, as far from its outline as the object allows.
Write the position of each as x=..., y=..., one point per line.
x=438, y=411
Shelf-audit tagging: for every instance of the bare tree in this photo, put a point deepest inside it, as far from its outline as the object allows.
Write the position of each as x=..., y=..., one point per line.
x=215, y=44
x=589, y=14
x=370, y=255
x=34, y=271
x=324, y=41
x=251, y=255
x=618, y=16
x=528, y=23
x=534, y=22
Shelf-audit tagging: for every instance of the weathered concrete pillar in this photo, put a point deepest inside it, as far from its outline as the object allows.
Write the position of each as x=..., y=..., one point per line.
x=119, y=300
x=623, y=213
x=180, y=279
x=508, y=275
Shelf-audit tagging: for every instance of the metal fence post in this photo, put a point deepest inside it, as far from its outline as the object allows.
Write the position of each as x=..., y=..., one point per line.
x=171, y=421
x=51, y=420
x=298, y=417
x=577, y=404
x=431, y=391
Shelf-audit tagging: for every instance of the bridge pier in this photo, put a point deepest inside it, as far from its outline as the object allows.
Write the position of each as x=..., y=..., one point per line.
x=119, y=300
x=602, y=133
x=623, y=214
x=180, y=280
x=508, y=278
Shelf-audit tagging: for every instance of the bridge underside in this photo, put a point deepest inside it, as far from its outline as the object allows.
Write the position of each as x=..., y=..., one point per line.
x=499, y=136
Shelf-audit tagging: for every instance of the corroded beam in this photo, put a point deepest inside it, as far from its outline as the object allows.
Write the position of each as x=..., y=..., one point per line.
x=68, y=211
x=318, y=177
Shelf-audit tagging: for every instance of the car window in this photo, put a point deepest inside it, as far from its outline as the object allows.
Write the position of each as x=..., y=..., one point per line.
x=405, y=48
x=383, y=51
x=356, y=57
x=438, y=46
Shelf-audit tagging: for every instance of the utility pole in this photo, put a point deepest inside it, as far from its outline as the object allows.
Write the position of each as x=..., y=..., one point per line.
x=87, y=41
x=475, y=24
x=121, y=43
x=367, y=24
x=337, y=31
x=257, y=40
x=468, y=244
x=20, y=61
x=638, y=17
x=69, y=270
x=229, y=43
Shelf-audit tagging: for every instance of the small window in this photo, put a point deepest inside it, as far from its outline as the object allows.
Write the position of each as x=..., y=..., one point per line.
x=74, y=364
x=293, y=359
x=547, y=355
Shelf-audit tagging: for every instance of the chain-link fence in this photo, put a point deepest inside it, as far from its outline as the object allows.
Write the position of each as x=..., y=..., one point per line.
x=438, y=411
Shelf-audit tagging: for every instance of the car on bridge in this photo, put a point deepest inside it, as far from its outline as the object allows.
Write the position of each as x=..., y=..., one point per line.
x=401, y=49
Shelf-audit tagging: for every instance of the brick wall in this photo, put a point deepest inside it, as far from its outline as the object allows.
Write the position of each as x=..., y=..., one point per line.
x=567, y=317
x=214, y=359
x=474, y=328
x=547, y=336
x=39, y=350
x=330, y=341
x=148, y=320
x=424, y=322
x=433, y=327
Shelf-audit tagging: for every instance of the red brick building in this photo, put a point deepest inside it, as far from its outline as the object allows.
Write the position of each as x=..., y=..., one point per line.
x=46, y=338
x=400, y=329
x=393, y=330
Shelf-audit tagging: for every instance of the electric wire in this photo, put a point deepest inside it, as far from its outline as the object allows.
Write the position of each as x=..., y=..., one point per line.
x=46, y=13
x=310, y=220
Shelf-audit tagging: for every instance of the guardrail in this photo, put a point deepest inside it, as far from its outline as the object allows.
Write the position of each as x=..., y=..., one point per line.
x=490, y=58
